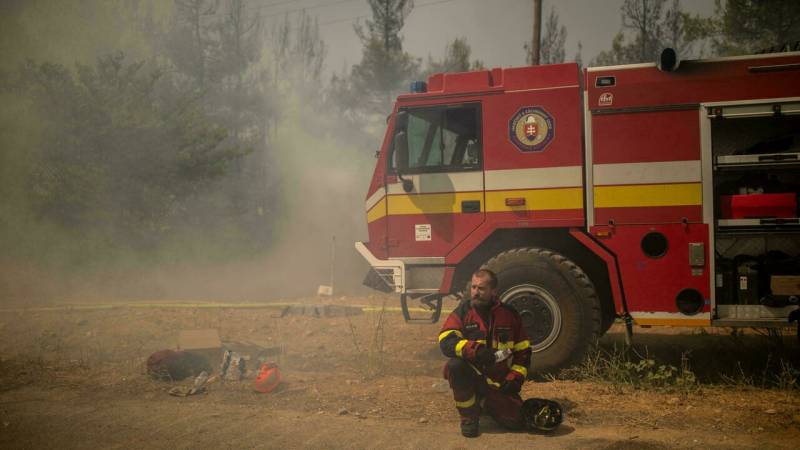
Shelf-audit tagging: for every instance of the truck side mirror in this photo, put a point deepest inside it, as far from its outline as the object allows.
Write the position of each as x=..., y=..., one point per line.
x=401, y=159
x=401, y=151
x=401, y=121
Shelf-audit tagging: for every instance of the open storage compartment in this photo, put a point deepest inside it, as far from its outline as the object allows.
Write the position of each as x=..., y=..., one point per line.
x=756, y=185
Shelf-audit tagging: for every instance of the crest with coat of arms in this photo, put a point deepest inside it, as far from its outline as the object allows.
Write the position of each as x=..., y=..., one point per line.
x=531, y=129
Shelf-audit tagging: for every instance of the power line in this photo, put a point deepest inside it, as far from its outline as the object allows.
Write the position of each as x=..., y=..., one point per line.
x=422, y=5
x=320, y=5
x=347, y=19
x=252, y=9
x=270, y=5
x=323, y=5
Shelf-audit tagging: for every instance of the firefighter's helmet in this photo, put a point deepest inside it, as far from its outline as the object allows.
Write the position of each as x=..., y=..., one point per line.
x=541, y=414
x=268, y=378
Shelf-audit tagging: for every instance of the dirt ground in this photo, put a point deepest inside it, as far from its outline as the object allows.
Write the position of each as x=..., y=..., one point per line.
x=73, y=377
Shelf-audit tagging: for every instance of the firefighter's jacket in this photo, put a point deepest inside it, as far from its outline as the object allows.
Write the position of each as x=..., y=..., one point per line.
x=464, y=332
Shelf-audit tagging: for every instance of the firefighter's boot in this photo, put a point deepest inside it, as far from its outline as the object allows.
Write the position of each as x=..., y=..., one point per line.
x=470, y=427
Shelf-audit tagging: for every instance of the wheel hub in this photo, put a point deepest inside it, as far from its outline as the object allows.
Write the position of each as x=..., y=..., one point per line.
x=541, y=315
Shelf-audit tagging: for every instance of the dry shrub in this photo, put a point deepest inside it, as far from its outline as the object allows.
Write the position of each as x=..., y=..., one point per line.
x=739, y=357
x=623, y=367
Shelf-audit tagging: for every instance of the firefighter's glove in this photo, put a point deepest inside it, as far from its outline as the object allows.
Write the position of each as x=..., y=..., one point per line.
x=512, y=384
x=484, y=357
x=511, y=387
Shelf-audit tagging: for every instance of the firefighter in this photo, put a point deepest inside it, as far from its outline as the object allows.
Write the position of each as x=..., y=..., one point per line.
x=489, y=355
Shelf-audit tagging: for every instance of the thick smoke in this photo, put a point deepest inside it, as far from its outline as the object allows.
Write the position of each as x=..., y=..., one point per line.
x=315, y=176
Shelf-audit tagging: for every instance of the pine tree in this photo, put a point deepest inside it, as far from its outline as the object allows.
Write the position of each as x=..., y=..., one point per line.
x=647, y=28
x=299, y=53
x=754, y=26
x=456, y=59
x=385, y=68
x=551, y=48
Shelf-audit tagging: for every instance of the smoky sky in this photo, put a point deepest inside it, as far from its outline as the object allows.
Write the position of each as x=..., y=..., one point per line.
x=496, y=30
x=324, y=192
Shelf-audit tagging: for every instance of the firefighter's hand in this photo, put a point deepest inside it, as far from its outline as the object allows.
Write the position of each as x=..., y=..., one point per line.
x=512, y=384
x=484, y=357
x=511, y=387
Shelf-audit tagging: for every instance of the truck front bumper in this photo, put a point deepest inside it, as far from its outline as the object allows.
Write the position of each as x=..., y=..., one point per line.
x=386, y=275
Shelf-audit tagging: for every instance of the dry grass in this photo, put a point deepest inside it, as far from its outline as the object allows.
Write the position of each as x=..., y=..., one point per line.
x=626, y=367
x=370, y=345
x=744, y=358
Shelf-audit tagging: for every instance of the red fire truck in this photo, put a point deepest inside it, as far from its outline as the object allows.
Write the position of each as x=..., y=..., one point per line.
x=661, y=194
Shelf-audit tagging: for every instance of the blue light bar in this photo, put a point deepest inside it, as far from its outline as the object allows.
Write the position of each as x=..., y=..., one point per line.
x=418, y=87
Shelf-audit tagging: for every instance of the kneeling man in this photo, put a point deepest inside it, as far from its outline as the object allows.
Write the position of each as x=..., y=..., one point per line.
x=489, y=355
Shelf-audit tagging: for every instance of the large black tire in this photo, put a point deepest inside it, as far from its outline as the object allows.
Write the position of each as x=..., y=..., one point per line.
x=557, y=301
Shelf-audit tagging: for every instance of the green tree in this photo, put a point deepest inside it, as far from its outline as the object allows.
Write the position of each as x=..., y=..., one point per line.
x=385, y=68
x=647, y=28
x=456, y=59
x=644, y=17
x=551, y=48
x=65, y=32
x=215, y=48
x=299, y=53
x=121, y=151
x=752, y=26
x=190, y=39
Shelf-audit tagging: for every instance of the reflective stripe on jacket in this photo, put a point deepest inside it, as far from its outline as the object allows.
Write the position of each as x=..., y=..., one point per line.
x=464, y=332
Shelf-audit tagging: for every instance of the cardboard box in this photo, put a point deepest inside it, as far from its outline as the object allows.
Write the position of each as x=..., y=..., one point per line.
x=785, y=284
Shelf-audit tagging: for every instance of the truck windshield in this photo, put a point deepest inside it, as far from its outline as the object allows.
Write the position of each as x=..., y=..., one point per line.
x=443, y=138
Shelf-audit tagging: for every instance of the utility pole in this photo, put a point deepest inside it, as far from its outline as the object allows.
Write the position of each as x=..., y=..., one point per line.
x=537, y=32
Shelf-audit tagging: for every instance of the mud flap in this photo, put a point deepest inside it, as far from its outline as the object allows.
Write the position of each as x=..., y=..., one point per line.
x=794, y=316
x=628, y=330
x=374, y=280
x=433, y=302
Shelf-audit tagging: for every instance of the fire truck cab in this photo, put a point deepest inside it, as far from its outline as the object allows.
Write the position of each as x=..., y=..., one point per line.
x=661, y=193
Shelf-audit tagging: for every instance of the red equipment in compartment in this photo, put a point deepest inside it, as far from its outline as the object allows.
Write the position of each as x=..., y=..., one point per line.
x=754, y=206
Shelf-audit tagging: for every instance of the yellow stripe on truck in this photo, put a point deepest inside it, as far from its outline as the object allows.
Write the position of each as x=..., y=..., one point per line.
x=642, y=195
x=441, y=203
x=672, y=322
x=536, y=199
x=450, y=202
x=678, y=194
x=377, y=211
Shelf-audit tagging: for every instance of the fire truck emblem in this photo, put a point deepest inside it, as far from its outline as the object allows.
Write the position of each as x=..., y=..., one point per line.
x=531, y=129
x=606, y=99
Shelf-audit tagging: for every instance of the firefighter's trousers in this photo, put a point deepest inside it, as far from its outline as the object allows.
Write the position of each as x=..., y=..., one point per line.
x=474, y=395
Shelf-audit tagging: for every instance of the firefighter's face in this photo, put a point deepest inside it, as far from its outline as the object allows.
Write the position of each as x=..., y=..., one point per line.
x=481, y=291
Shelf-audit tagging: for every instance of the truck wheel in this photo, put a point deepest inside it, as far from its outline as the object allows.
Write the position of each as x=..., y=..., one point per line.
x=556, y=300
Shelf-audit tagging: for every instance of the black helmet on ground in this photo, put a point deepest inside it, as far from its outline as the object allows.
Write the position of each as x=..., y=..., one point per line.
x=542, y=415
